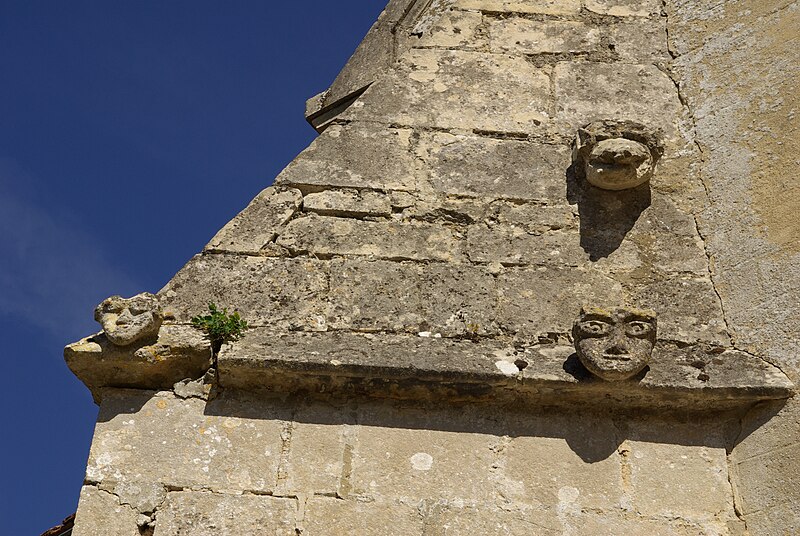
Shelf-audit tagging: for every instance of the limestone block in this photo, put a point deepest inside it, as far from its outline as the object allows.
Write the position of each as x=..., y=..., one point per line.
x=475, y=166
x=348, y=203
x=328, y=517
x=454, y=29
x=625, y=8
x=464, y=521
x=143, y=497
x=779, y=521
x=679, y=470
x=640, y=40
x=558, y=461
x=184, y=443
x=316, y=447
x=211, y=514
x=441, y=208
x=526, y=36
x=587, y=92
x=437, y=298
x=769, y=479
x=100, y=514
x=546, y=300
x=422, y=459
x=288, y=293
x=534, y=219
x=688, y=309
x=512, y=246
x=355, y=156
x=546, y=7
x=257, y=224
x=325, y=237
x=459, y=90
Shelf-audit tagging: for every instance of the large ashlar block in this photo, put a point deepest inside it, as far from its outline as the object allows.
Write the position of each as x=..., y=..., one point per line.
x=459, y=90
x=526, y=36
x=544, y=300
x=625, y=8
x=101, y=514
x=334, y=517
x=679, y=469
x=410, y=297
x=258, y=224
x=355, y=156
x=477, y=166
x=184, y=443
x=421, y=457
x=769, y=479
x=545, y=7
x=212, y=514
x=515, y=246
x=556, y=462
x=326, y=237
x=587, y=92
x=617, y=525
x=288, y=293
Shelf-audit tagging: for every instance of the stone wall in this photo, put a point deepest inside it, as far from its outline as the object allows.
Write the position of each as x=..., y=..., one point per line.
x=252, y=465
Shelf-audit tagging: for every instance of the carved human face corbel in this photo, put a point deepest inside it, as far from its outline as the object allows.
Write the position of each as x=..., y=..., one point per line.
x=617, y=155
x=127, y=320
x=615, y=344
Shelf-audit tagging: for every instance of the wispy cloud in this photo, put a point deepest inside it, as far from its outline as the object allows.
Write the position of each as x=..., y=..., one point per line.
x=52, y=273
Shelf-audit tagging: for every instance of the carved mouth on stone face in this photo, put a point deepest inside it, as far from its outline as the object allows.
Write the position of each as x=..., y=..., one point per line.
x=617, y=357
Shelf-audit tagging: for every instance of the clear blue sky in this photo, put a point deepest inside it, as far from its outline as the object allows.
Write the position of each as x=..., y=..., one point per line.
x=129, y=133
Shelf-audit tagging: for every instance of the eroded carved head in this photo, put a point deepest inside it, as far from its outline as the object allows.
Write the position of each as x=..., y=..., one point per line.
x=617, y=155
x=615, y=344
x=127, y=320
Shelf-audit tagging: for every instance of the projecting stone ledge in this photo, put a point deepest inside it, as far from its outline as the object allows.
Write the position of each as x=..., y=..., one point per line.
x=404, y=366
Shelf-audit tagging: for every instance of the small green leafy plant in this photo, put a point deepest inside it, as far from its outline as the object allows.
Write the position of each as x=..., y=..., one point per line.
x=220, y=327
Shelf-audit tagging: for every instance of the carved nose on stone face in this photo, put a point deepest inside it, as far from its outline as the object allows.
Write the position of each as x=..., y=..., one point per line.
x=125, y=318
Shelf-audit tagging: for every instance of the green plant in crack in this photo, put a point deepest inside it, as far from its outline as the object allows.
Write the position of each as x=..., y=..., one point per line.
x=220, y=327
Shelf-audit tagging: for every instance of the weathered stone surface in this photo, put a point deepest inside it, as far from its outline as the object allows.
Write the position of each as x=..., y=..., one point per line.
x=287, y=293
x=453, y=29
x=554, y=460
x=143, y=497
x=211, y=514
x=463, y=90
x=532, y=218
x=419, y=460
x=100, y=514
x=409, y=297
x=588, y=92
x=457, y=520
x=315, y=462
x=513, y=246
x=688, y=309
x=325, y=515
x=347, y=156
x=613, y=525
x=526, y=36
x=536, y=302
x=547, y=7
x=259, y=223
x=641, y=41
x=325, y=237
x=769, y=478
x=476, y=166
x=184, y=443
x=685, y=477
x=348, y=203
x=625, y=8
x=180, y=352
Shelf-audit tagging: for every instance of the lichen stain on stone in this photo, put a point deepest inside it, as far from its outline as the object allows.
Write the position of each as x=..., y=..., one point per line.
x=161, y=404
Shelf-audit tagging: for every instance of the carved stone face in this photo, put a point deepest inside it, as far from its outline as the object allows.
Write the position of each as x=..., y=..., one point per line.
x=617, y=155
x=127, y=320
x=615, y=344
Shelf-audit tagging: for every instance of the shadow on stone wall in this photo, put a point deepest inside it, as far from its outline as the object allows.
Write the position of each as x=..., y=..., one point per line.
x=606, y=216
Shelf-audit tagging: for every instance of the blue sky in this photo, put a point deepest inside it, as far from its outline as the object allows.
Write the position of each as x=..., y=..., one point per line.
x=129, y=133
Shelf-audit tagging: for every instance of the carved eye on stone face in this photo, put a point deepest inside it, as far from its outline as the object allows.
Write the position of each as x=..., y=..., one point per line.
x=638, y=328
x=594, y=328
